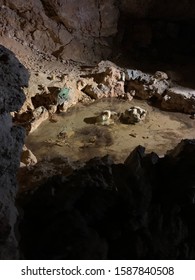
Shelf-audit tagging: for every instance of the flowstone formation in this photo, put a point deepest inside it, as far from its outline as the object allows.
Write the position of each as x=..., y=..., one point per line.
x=13, y=76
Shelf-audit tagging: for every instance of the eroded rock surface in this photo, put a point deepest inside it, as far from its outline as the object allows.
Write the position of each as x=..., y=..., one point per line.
x=179, y=99
x=146, y=85
x=170, y=96
x=13, y=76
x=65, y=29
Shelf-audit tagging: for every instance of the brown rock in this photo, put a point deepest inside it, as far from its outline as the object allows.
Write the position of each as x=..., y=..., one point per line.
x=40, y=114
x=27, y=157
x=146, y=85
x=180, y=99
x=94, y=92
x=67, y=29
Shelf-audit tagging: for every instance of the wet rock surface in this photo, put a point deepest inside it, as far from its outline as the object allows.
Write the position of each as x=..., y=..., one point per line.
x=142, y=209
x=170, y=96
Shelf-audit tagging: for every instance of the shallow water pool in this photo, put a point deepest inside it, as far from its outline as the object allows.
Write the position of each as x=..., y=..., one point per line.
x=75, y=134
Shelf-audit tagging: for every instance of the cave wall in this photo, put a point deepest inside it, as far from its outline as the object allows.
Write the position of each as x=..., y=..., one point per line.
x=161, y=9
x=13, y=76
x=85, y=30
x=160, y=30
x=77, y=30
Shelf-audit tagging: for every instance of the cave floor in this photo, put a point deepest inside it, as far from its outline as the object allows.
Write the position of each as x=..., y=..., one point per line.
x=76, y=136
x=160, y=132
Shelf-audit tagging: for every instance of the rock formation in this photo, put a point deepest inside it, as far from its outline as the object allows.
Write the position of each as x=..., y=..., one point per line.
x=13, y=76
x=170, y=96
x=180, y=99
x=142, y=209
x=87, y=32
x=66, y=29
x=134, y=115
x=107, y=117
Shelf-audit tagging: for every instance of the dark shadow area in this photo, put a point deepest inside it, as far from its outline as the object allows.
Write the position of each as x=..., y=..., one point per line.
x=13, y=77
x=142, y=209
x=90, y=120
x=150, y=44
x=46, y=98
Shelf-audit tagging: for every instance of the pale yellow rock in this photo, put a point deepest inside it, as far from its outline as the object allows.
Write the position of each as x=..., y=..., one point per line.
x=40, y=114
x=27, y=157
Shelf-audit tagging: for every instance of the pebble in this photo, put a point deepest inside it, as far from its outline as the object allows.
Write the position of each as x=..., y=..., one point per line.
x=133, y=135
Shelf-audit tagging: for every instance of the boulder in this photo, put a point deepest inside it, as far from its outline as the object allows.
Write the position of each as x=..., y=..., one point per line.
x=134, y=115
x=108, y=81
x=146, y=85
x=107, y=117
x=179, y=99
x=113, y=78
x=27, y=157
x=94, y=91
x=40, y=114
x=131, y=74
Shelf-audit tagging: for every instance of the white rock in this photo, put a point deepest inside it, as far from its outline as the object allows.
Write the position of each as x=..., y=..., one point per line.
x=134, y=115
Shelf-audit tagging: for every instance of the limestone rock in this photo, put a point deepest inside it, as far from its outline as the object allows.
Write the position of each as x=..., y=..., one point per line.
x=107, y=117
x=40, y=114
x=113, y=79
x=146, y=85
x=179, y=99
x=81, y=84
x=68, y=30
x=108, y=82
x=27, y=157
x=131, y=74
x=159, y=75
x=175, y=98
x=52, y=109
x=134, y=115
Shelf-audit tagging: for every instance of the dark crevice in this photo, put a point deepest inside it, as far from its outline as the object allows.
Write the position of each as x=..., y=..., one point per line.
x=50, y=12
x=100, y=16
x=58, y=52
